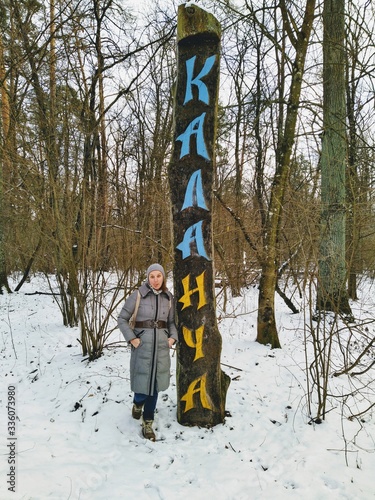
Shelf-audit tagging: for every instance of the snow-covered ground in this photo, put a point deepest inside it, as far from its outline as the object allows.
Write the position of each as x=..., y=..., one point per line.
x=76, y=438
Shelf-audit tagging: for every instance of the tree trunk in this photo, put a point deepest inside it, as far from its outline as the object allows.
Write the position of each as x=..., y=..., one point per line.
x=267, y=330
x=4, y=165
x=201, y=384
x=332, y=294
x=102, y=153
x=353, y=247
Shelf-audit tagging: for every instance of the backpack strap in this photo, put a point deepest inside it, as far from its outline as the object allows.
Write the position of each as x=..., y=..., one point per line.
x=134, y=315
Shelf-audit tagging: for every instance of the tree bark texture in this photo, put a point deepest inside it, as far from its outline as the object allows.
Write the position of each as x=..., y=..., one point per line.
x=201, y=384
x=332, y=294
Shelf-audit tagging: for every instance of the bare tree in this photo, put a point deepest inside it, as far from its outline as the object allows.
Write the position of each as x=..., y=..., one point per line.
x=4, y=160
x=299, y=39
x=359, y=44
x=332, y=293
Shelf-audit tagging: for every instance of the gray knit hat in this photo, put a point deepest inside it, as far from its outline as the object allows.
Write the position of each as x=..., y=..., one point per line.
x=155, y=267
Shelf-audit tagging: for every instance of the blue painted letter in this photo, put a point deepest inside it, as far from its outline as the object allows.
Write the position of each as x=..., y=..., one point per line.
x=194, y=196
x=202, y=87
x=192, y=244
x=195, y=127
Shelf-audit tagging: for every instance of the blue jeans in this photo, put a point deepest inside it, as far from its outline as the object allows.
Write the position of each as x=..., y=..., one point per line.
x=149, y=403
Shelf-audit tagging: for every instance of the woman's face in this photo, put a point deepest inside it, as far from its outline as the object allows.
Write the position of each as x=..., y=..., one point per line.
x=155, y=278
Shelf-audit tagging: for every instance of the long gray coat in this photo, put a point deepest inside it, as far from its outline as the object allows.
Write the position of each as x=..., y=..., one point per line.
x=150, y=362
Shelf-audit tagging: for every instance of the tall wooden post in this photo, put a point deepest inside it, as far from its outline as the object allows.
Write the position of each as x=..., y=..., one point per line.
x=201, y=384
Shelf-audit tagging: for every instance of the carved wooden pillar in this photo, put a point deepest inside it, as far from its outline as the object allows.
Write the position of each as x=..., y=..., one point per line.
x=201, y=384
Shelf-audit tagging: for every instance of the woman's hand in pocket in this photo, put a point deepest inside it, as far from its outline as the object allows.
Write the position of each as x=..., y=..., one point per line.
x=135, y=342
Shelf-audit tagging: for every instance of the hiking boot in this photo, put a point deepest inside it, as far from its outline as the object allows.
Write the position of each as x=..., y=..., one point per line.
x=147, y=430
x=137, y=411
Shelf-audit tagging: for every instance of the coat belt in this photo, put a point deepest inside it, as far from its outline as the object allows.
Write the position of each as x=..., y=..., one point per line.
x=151, y=324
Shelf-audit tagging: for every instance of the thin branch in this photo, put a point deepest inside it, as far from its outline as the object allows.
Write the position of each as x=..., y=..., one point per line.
x=356, y=362
x=238, y=221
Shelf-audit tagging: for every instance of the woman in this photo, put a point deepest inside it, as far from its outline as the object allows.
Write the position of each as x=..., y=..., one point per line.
x=153, y=335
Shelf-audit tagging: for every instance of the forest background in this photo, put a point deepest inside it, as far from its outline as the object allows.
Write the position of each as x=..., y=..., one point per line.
x=86, y=137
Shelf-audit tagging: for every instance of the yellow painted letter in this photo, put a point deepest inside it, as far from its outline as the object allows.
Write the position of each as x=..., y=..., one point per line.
x=185, y=299
x=197, y=386
x=198, y=344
